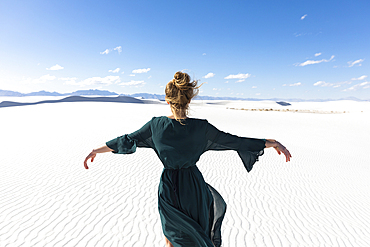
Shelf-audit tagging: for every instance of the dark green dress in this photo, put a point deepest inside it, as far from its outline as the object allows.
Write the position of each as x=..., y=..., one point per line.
x=191, y=211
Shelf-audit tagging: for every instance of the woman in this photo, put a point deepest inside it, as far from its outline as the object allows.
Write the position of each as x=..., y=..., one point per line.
x=191, y=211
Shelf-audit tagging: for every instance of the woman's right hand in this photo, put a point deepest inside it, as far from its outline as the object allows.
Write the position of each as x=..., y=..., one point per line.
x=279, y=148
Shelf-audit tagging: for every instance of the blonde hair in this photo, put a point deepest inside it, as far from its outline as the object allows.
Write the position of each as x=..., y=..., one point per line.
x=179, y=91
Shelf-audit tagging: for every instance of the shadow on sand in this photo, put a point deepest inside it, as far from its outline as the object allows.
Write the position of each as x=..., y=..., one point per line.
x=119, y=99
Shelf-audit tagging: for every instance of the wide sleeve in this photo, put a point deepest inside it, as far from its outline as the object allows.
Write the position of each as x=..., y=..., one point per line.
x=128, y=143
x=248, y=149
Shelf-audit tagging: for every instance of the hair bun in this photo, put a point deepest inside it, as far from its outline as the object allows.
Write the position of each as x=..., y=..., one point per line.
x=181, y=80
x=179, y=76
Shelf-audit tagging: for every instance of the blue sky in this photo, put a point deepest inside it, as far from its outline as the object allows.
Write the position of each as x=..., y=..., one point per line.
x=259, y=49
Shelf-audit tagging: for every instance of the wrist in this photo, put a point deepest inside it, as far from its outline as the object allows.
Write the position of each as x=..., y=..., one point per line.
x=271, y=143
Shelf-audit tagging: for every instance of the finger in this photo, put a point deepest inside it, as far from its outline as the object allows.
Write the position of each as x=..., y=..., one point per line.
x=287, y=155
x=92, y=159
x=85, y=162
x=285, y=152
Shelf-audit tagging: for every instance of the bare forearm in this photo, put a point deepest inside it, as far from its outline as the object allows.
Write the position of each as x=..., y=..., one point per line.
x=103, y=149
x=271, y=143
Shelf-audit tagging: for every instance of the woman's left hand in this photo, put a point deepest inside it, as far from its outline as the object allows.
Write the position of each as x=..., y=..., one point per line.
x=93, y=153
x=90, y=156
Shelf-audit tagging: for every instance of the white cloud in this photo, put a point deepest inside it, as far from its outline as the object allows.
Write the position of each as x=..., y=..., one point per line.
x=241, y=80
x=363, y=85
x=119, y=49
x=258, y=94
x=105, y=52
x=359, y=61
x=254, y=87
x=42, y=79
x=293, y=84
x=214, y=89
x=209, y=75
x=115, y=70
x=317, y=54
x=238, y=76
x=303, y=17
x=55, y=67
x=308, y=62
x=132, y=74
x=132, y=83
x=69, y=80
x=204, y=54
x=323, y=84
x=139, y=71
x=105, y=81
x=360, y=78
x=334, y=85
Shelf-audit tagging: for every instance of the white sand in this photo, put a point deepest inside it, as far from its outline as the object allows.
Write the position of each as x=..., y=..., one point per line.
x=47, y=198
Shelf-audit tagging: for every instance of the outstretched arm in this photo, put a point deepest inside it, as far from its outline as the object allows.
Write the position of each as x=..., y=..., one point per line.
x=93, y=153
x=271, y=143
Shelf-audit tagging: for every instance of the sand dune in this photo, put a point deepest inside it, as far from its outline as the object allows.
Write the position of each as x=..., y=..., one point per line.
x=118, y=99
x=321, y=198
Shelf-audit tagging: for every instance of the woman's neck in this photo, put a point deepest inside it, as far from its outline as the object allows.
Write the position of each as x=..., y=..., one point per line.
x=178, y=115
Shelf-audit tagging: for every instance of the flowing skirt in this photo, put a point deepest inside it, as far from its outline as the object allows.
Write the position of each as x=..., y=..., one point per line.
x=191, y=210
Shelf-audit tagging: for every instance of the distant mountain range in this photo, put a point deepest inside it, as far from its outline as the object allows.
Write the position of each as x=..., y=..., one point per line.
x=96, y=92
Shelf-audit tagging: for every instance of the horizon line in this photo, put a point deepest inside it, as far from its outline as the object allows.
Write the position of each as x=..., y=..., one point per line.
x=154, y=94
